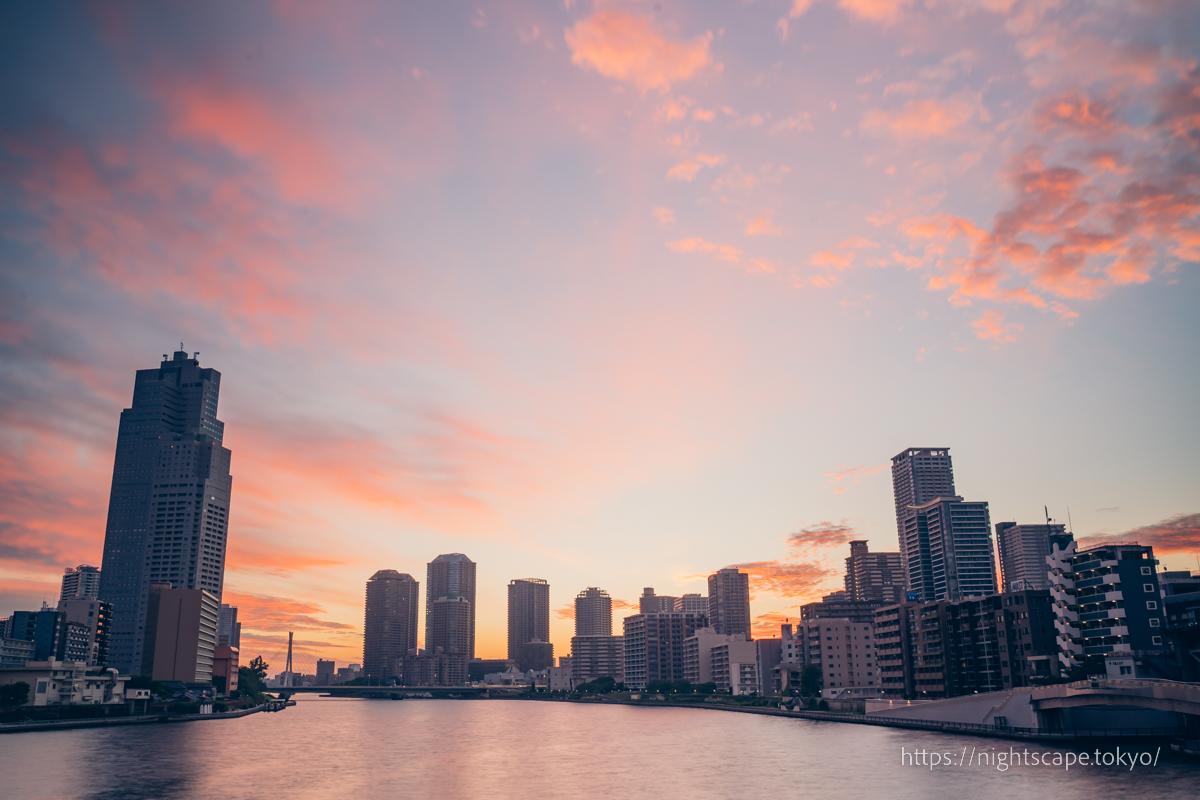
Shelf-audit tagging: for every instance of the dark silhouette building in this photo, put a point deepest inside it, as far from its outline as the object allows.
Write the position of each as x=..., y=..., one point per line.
x=729, y=602
x=871, y=576
x=390, y=628
x=168, y=510
x=448, y=575
x=529, y=624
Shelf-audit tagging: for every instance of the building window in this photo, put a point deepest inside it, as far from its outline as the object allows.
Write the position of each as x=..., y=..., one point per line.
x=1147, y=587
x=1146, y=571
x=1154, y=623
x=1126, y=670
x=1151, y=605
x=1156, y=639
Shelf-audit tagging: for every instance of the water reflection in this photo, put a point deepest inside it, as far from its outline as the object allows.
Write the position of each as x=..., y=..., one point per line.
x=326, y=748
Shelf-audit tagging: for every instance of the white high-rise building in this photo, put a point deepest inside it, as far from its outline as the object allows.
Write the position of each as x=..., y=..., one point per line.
x=80, y=583
x=593, y=613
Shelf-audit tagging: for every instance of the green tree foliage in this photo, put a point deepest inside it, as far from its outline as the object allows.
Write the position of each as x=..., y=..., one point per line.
x=249, y=682
x=14, y=694
x=599, y=686
x=258, y=667
x=810, y=680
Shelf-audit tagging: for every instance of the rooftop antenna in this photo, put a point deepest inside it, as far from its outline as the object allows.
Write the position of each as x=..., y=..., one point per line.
x=1070, y=525
x=1048, y=520
x=181, y=346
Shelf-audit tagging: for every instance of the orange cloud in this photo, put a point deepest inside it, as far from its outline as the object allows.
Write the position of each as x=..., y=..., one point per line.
x=566, y=612
x=262, y=613
x=830, y=261
x=762, y=226
x=791, y=579
x=723, y=252
x=626, y=47
x=924, y=119
x=991, y=327
x=1076, y=112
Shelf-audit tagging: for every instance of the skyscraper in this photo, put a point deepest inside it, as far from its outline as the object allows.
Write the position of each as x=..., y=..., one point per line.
x=873, y=576
x=729, y=602
x=945, y=542
x=390, y=630
x=919, y=475
x=169, y=505
x=1023, y=550
x=450, y=574
x=529, y=622
x=82, y=582
x=593, y=613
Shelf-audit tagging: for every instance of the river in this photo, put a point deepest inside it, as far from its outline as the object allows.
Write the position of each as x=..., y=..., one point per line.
x=495, y=749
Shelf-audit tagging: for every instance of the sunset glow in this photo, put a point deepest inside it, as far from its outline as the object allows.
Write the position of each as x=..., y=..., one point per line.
x=612, y=293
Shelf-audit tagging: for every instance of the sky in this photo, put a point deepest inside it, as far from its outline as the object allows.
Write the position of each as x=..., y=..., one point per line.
x=610, y=293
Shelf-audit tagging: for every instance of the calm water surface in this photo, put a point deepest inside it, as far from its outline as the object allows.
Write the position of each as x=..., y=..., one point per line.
x=362, y=749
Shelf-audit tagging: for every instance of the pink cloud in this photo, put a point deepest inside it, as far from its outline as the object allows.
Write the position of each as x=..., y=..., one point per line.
x=627, y=47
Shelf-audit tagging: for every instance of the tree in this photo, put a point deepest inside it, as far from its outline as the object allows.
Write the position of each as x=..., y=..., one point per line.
x=249, y=682
x=14, y=694
x=259, y=668
x=810, y=680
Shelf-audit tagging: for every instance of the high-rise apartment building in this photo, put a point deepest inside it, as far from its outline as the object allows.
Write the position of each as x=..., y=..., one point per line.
x=920, y=474
x=654, y=647
x=593, y=613
x=168, y=511
x=229, y=630
x=80, y=582
x=595, y=652
x=729, y=602
x=390, y=628
x=945, y=542
x=873, y=576
x=1107, y=599
x=449, y=575
x=1023, y=550
x=529, y=624
x=325, y=672
x=948, y=547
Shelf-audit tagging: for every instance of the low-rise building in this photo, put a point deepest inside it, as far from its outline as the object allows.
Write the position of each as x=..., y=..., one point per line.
x=735, y=666
x=15, y=652
x=54, y=682
x=225, y=669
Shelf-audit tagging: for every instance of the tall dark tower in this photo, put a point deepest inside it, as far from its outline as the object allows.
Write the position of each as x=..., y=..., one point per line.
x=529, y=623
x=168, y=510
x=391, y=621
x=447, y=575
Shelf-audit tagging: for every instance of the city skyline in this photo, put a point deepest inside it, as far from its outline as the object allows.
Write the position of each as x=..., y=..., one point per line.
x=474, y=285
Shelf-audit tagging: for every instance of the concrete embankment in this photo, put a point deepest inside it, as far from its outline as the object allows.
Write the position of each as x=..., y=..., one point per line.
x=111, y=722
x=1068, y=737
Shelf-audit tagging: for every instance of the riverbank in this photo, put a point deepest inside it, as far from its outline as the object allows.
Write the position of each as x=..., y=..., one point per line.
x=140, y=719
x=1075, y=736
